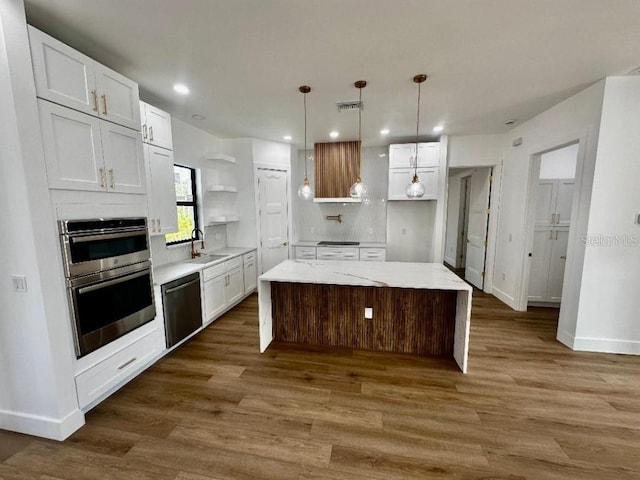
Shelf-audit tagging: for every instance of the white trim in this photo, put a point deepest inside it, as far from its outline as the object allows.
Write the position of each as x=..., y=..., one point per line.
x=40, y=426
x=503, y=297
x=450, y=261
x=606, y=345
x=566, y=338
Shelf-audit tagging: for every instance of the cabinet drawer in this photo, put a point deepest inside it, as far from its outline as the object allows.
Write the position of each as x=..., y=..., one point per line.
x=233, y=263
x=330, y=253
x=99, y=379
x=213, y=271
x=373, y=254
x=308, y=253
x=249, y=257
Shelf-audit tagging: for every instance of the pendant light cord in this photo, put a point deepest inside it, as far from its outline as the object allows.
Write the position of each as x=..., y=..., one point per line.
x=304, y=96
x=417, y=130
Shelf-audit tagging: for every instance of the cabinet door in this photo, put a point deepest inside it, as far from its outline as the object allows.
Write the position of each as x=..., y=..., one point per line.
x=62, y=74
x=545, y=202
x=214, y=303
x=72, y=148
x=250, y=281
x=558, y=262
x=564, y=201
x=234, y=290
x=429, y=177
x=161, y=190
x=401, y=155
x=399, y=178
x=429, y=154
x=540, y=258
x=158, y=128
x=118, y=99
x=123, y=158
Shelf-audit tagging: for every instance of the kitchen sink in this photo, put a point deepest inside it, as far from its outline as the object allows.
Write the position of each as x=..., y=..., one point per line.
x=208, y=258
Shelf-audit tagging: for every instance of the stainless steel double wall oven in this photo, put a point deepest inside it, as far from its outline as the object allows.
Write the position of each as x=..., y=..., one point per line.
x=108, y=276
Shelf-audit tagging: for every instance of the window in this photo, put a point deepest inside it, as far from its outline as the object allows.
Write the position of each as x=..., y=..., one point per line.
x=187, y=198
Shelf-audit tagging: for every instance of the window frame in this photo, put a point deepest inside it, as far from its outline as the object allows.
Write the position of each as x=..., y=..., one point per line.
x=193, y=203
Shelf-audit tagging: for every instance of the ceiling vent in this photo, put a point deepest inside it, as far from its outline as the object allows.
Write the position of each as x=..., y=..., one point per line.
x=352, y=106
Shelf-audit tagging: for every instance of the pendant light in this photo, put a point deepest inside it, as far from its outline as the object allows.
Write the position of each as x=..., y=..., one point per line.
x=359, y=189
x=305, y=192
x=416, y=189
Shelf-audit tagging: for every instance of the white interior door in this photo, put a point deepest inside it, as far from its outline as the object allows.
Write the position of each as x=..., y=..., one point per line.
x=477, y=228
x=540, y=264
x=274, y=217
x=558, y=256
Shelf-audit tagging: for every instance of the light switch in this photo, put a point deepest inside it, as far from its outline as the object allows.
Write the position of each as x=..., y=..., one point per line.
x=19, y=283
x=368, y=313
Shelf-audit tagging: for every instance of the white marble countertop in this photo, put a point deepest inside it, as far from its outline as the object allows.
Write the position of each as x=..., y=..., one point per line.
x=314, y=243
x=376, y=274
x=172, y=271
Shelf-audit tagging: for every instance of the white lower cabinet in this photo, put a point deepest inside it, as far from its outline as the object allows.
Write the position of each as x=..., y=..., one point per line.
x=548, y=260
x=250, y=272
x=234, y=289
x=373, y=254
x=214, y=303
x=114, y=370
x=337, y=253
x=307, y=253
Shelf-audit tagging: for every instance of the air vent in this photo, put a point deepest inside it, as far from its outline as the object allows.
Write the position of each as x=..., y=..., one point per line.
x=352, y=106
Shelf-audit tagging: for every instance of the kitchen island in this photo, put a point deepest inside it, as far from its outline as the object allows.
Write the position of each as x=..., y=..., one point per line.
x=418, y=308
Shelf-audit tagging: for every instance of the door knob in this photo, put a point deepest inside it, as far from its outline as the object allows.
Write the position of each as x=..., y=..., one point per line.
x=285, y=244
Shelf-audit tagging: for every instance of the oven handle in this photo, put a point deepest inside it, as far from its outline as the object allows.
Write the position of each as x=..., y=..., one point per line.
x=107, y=236
x=180, y=287
x=115, y=281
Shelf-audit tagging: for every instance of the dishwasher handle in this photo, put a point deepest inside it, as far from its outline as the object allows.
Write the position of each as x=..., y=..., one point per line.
x=180, y=287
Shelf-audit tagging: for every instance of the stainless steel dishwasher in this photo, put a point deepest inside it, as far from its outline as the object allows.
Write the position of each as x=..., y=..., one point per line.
x=182, y=308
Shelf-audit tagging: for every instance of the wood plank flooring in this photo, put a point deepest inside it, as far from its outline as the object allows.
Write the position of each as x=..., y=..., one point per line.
x=216, y=409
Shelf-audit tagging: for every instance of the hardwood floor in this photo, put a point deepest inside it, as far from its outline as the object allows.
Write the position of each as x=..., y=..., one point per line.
x=217, y=409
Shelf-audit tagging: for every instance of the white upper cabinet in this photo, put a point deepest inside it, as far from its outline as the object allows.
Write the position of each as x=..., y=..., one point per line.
x=400, y=178
x=161, y=191
x=72, y=148
x=123, y=161
x=67, y=77
x=85, y=153
x=156, y=126
x=403, y=155
x=118, y=97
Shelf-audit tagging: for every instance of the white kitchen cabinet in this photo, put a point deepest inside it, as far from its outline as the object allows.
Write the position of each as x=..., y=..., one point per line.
x=156, y=126
x=67, y=77
x=548, y=260
x=305, y=253
x=250, y=272
x=403, y=155
x=373, y=254
x=123, y=159
x=399, y=178
x=161, y=192
x=234, y=289
x=214, y=302
x=85, y=153
x=554, y=199
x=338, y=253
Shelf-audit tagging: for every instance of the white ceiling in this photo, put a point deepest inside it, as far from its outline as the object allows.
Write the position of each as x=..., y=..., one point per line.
x=488, y=61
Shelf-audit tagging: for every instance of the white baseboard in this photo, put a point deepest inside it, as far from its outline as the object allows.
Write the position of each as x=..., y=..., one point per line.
x=503, y=297
x=450, y=261
x=606, y=345
x=47, y=427
x=566, y=338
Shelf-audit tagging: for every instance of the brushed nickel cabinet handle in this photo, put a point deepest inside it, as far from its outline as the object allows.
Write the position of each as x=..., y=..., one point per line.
x=112, y=177
x=159, y=228
x=557, y=218
x=103, y=180
x=104, y=103
x=126, y=364
x=556, y=234
x=94, y=94
x=563, y=257
x=153, y=225
x=144, y=131
x=151, y=133
x=550, y=234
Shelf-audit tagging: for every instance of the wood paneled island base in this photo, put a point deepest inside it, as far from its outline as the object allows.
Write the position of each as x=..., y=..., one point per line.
x=405, y=320
x=418, y=308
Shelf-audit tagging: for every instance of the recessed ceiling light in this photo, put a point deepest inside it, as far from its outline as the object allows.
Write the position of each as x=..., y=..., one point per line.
x=181, y=89
x=197, y=116
x=287, y=137
x=334, y=134
x=384, y=131
x=438, y=128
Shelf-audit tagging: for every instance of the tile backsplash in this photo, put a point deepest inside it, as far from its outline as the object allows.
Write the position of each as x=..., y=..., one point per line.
x=214, y=237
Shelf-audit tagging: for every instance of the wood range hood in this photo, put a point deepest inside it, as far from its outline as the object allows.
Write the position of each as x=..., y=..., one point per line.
x=336, y=168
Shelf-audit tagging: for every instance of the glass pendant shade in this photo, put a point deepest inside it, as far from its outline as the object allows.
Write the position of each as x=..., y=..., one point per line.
x=358, y=189
x=415, y=189
x=305, y=192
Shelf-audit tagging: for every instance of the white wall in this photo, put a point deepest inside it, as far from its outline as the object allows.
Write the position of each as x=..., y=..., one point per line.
x=608, y=313
x=36, y=352
x=559, y=163
x=577, y=118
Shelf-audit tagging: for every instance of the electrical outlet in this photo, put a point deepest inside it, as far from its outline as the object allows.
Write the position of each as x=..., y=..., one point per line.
x=368, y=313
x=19, y=283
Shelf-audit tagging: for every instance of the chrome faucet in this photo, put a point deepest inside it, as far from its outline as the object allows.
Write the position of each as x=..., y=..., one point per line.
x=194, y=233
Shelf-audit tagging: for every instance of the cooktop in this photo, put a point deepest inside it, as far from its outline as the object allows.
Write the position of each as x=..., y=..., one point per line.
x=324, y=242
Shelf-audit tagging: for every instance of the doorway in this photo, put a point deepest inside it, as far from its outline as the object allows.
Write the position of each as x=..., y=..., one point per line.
x=552, y=203
x=273, y=211
x=463, y=221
